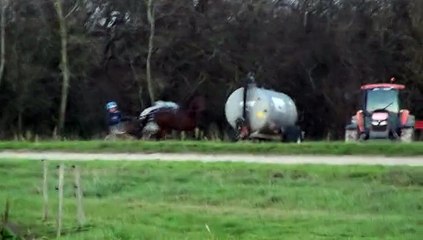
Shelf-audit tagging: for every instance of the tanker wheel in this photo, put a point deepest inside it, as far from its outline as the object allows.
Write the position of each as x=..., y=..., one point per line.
x=231, y=135
x=292, y=134
x=351, y=135
x=407, y=135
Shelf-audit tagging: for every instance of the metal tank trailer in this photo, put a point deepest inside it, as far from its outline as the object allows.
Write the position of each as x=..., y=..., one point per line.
x=267, y=115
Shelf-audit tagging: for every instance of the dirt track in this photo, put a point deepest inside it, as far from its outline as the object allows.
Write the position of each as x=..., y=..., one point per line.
x=331, y=160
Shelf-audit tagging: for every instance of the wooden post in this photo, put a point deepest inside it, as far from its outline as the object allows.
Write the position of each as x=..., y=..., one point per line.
x=5, y=219
x=60, y=190
x=45, y=190
x=78, y=194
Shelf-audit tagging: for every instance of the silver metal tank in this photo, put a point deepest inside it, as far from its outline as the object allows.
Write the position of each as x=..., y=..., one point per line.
x=268, y=111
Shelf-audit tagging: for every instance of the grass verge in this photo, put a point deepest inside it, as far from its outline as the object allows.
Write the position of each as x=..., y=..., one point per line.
x=192, y=200
x=311, y=148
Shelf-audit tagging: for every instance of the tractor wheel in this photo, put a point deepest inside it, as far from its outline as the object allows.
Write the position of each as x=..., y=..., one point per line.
x=351, y=135
x=407, y=135
x=110, y=137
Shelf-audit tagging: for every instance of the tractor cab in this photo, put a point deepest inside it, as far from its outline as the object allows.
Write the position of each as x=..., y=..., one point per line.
x=382, y=97
x=381, y=115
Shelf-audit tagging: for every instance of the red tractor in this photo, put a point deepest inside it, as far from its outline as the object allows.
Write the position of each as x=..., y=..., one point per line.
x=381, y=116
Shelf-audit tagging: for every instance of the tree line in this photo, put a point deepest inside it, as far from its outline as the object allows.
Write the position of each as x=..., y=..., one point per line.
x=62, y=60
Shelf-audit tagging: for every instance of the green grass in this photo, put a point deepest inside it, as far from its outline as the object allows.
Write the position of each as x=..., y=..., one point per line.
x=324, y=148
x=165, y=200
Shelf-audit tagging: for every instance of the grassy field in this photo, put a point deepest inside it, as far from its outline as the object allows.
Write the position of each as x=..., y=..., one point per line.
x=158, y=200
x=323, y=148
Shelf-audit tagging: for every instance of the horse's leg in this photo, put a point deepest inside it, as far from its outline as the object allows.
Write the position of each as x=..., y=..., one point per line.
x=163, y=135
x=174, y=134
x=160, y=135
x=197, y=133
x=166, y=133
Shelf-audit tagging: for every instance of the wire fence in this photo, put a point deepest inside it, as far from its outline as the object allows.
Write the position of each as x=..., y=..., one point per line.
x=19, y=182
x=52, y=193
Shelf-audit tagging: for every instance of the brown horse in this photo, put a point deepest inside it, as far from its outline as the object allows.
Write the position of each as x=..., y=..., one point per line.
x=183, y=119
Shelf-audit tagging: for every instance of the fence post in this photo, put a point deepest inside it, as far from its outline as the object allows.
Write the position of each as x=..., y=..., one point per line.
x=45, y=190
x=78, y=195
x=5, y=219
x=60, y=190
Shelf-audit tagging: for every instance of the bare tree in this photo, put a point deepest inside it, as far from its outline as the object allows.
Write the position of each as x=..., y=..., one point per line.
x=64, y=67
x=325, y=50
x=151, y=20
x=4, y=4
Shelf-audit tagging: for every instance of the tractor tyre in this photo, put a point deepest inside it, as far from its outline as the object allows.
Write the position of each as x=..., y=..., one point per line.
x=407, y=135
x=363, y=137
x=110, y=137
x=351, y=135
